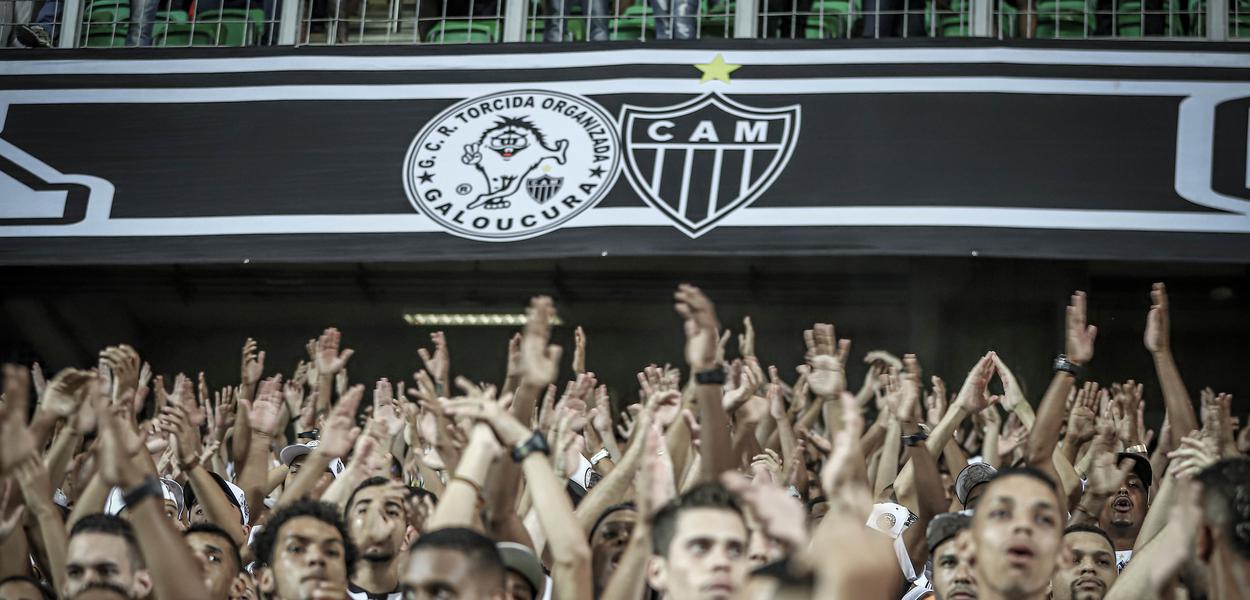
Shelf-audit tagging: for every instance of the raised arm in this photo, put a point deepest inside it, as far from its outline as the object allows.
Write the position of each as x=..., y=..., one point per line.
x=716, y=449
x=1158, y=340
x=570, y=552
x=1079, y=344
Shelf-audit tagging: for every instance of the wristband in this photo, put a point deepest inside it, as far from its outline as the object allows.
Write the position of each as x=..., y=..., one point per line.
x=600, y=455
x=150, y=487
x=711, y=376
x=1137, y=449
x=535, y=443
x=1063, y=364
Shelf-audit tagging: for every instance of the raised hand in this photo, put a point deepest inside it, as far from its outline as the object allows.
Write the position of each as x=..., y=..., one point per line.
x=1125, y=405
x=125, y=363
x=1105, y=477
x=479, y=404
x=64, y=394
x=330, y=360
x=1079, y=337
x=748, y=383
x=17, y=390
x=579, y=350
x=972, y=396
x=252, y=366
x=437, y=363
x=263, y=412
x=701, y=325
x=1158, y=323
x=386, y=409
x=339, y=431
x=935, y=402
x=666, y=407
x=1082, y=417
x=826, y=357
x=746, y=339
x=1196, y=452
x=540, y=361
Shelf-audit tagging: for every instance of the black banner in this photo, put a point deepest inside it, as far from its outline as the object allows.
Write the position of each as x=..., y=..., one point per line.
x=1129, y=151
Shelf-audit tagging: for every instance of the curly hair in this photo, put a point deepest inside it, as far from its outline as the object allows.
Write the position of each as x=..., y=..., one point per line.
x=263, y=545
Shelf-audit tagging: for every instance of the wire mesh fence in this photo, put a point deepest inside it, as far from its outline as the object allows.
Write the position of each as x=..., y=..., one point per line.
x=233, y=23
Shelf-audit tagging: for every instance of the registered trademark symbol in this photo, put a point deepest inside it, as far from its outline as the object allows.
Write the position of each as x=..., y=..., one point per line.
x=464, y=189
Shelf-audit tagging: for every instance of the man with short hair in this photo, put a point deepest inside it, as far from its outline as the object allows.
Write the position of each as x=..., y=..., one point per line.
x=1123, y=514
x=219, y=560
x=1089, y=569
x=304, y=553
x=377, y=521
x=103, y=548
x=950, y=545
x=699, y=546
x=454, y=562
x=1222, y=545
x=1018, y=532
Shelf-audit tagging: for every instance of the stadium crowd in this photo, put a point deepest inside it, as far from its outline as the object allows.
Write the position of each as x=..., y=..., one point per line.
x=727, y=478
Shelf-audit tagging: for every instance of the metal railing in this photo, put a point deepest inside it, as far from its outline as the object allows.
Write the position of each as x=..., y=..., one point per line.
x=112, y=23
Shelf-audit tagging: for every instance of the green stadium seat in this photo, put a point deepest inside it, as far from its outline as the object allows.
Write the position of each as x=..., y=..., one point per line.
x=716, y=20
x=107, y=35
x=234, y=26
x=831, y=18
x=173, y=16
x=183, y=34
x=1129, y=18
x=107, y=11
x=636, y=23
x=1065, y=18
x=462, y=32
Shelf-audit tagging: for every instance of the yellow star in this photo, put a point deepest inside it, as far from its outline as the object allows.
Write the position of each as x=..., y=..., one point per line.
x=717, y=69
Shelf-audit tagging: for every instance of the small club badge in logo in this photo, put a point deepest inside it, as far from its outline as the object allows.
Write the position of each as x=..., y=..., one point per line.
x=699, y=161
x=513, y=165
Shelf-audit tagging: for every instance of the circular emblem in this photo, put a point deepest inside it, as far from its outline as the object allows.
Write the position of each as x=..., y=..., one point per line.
x=512, y=165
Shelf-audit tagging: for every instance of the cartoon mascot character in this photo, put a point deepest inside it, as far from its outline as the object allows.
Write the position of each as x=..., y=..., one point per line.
x=505, y=155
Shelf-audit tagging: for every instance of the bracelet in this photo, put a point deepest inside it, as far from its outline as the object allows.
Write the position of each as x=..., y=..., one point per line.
x=1137, y=449
x=477, y=487
x=191, y=464
x=915, y=438
x=150, y=487
x=713, y=376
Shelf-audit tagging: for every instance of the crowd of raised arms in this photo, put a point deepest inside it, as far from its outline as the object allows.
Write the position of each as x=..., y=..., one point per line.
x=728, y=478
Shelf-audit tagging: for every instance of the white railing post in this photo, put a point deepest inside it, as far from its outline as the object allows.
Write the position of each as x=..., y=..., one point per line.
x=982, y=18
x=746, y=19
x=514, y=19
x=71, y=19
x=288, y=22
x=1217, y=20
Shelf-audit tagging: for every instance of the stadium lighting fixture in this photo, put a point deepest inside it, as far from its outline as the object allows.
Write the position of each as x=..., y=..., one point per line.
x=428, y=319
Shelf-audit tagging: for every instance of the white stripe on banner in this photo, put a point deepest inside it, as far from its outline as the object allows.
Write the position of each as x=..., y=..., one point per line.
x=608, y=58
x=689, y=85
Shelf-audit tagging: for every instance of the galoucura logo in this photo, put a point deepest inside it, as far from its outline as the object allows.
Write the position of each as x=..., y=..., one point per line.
x=512, y=165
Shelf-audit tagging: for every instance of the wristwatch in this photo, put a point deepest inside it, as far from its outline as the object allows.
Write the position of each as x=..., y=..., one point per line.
x=715, y=375
x=1137, y=449
x=915, y=438
x=600, y=455
x=535, y=443
x=150, y=487
x=1063, y=364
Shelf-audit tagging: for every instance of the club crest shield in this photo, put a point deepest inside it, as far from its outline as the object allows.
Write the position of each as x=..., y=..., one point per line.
x=700, y=160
